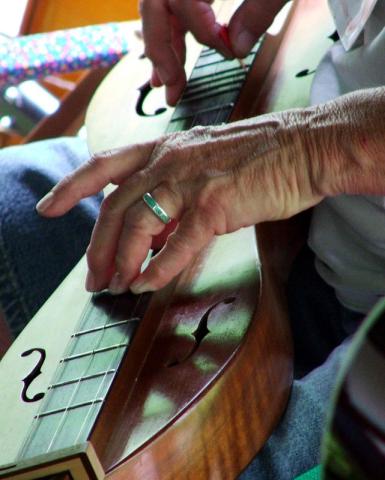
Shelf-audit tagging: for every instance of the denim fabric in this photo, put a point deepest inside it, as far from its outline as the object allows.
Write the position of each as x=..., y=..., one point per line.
x=294, y=447
x=36, y=253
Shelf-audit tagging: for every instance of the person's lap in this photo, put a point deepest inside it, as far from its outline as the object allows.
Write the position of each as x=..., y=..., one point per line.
x=36, y=254
x=294, y=446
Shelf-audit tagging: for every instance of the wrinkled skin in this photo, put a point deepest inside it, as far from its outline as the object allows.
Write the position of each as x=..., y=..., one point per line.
x=214, y=180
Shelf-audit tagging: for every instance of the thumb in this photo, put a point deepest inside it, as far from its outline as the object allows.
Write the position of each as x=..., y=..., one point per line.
x=249, y=22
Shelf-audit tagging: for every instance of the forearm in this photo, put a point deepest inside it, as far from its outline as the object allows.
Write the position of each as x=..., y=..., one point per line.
x=346, y=139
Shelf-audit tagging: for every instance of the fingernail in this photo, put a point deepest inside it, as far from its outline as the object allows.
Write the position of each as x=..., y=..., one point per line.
x=90, y=282
x=117, y=285
x=140, y=286
x=244, y=43
x=45, y=202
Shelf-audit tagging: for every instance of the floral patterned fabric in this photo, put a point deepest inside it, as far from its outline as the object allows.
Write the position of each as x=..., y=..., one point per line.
x=43, y=54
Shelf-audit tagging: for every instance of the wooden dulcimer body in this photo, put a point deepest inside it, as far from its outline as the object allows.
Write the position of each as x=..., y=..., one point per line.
x=186, y=383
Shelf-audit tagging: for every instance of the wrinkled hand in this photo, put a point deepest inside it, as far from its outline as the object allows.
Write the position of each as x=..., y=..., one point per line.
x=165, y=23
x=211, y=180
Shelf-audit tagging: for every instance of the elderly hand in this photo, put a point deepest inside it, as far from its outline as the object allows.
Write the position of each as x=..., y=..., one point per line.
x=214, y=180
x=210, y=180
x=165, y=23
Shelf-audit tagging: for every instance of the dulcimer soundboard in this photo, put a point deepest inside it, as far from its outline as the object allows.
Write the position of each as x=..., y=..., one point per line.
x=188, y=382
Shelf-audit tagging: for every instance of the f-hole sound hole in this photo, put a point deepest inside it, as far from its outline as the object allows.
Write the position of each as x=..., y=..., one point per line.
x=144, y=92
x=200, y=333
x=35, y=372
x=304, y=73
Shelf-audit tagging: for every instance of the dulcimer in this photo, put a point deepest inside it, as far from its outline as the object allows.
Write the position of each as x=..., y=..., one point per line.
x=188, y=382
x=354, y=441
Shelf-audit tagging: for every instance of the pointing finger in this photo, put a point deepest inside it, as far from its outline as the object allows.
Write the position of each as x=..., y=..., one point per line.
x=93, y=176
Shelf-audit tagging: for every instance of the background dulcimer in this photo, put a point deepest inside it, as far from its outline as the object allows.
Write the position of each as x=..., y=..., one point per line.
x=354, y=443
x=188, y=382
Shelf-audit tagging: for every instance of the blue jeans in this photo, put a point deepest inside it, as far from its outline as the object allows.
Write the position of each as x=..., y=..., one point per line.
x=294, y=446
x=37, y=253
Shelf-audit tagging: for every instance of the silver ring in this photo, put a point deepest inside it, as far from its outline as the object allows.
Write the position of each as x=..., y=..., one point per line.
x=156, y=209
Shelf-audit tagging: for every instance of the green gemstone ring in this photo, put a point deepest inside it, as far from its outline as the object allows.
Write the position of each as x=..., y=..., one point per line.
x=156, y=209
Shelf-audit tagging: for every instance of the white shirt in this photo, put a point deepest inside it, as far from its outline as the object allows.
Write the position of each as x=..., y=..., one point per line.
x=347, y=232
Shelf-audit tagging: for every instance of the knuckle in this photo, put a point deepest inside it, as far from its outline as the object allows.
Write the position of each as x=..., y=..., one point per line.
x=178, y=244
x=134, y=222
x=211, y=207
x=109, y=207
x=98, y=161
x=65, y=183
x=208, y=196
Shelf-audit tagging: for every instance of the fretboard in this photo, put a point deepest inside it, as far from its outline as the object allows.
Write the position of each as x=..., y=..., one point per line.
x=212, y=90
x=85, y=373
x=106, y=329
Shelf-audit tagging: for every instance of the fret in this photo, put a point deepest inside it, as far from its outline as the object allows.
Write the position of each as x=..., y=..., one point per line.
x=195, y=103
x=91, y=353
x=91, y=364
x=222, y=73
x=105, y=309
x=94, y=340
x=226, y=106
x=205, y=89
x=86, y=389
x=209, y=116
x=70, y=407
x=104, y=327
x=86, y=377
x=85, y=374
x=207, y=51
x=212, y=83
x=217, y=117
x=214, y=58
x=230, y=65
x=187, y=113
x=210, y=62
x=61, y=430
x=210, y=55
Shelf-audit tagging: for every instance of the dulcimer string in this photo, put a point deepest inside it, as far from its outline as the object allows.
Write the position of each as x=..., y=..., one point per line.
x=213, y=78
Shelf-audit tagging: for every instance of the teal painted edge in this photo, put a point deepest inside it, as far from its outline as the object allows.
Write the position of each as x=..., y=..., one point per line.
x=313, y=474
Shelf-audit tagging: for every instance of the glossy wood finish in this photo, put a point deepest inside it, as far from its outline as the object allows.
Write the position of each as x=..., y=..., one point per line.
x=263, y=359
x=172, y=414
